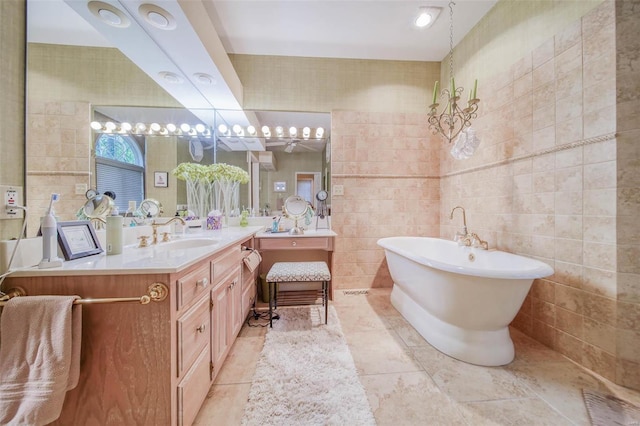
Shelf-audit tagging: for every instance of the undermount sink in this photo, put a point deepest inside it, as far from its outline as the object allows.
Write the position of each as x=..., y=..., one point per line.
x=186, y=244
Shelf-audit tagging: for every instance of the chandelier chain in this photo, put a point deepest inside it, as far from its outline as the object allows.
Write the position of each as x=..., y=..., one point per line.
x=451, y=4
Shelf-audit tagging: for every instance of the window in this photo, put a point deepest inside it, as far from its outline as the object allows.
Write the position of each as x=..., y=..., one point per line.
x=120, y=169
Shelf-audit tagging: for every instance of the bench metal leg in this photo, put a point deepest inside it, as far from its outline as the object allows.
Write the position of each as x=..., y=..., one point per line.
x=325, y=300
x=270, y=305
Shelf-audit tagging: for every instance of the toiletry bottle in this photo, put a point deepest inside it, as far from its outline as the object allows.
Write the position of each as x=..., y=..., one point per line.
x=49, y=227
x=274, y=225
x=244, y=218
x=114, y=232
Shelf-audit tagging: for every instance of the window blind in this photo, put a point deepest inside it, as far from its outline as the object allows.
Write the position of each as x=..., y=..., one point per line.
x=126, y=182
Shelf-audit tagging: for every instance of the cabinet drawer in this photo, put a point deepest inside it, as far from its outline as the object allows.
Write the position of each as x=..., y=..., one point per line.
x=193, y=389
x=192, y=284
x=193, y=334
x=223, y=264
x=300, y=243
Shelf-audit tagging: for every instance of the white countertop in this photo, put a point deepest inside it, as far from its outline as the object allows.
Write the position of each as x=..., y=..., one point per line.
x=147, y=260
x=307, y=233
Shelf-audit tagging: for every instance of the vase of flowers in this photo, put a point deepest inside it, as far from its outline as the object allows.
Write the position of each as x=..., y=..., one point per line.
x=212, y=187
x=227, y=180
x=199, y=187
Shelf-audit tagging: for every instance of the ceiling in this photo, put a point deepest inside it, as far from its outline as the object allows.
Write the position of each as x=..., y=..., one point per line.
x=198, y=35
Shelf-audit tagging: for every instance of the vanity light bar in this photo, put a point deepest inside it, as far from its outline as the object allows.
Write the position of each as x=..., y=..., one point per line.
x=155, y=129
x=265, y=131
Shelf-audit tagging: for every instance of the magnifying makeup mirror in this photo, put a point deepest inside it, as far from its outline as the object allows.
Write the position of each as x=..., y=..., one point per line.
x=295, y=207
x=98, y=206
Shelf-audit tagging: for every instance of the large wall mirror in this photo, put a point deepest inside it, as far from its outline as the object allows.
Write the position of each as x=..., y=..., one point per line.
x=101, y=84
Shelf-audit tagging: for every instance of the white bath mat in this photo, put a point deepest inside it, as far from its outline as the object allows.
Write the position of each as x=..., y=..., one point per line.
x=306, y=375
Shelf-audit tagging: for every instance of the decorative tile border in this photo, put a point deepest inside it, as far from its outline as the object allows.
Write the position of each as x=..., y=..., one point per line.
x=570, y=145
x=56, y=173
x=576, y=144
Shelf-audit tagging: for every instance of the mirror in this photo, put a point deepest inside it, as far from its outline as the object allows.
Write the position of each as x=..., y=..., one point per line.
x=102, y=84
x=295, y=207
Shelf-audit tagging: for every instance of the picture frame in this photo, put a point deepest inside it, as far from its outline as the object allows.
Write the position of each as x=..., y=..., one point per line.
x=78, y=239
x=161, y=179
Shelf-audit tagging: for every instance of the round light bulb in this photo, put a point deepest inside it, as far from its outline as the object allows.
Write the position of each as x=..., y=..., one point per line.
x=223, y=129
x=423, y=19
x=95, y=125
x=109, y=126
x=140, y=127
x=185, y=127
x=279, y=131
x=126, y=127
x=319, y=132
x=266, y=131
x=155, y=127
x=251, y=130
x=306, y=132
x=171, y=127
x=200, y=128
x=293, y=131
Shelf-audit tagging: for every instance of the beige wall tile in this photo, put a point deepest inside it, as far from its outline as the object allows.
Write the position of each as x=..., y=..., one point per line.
x=600, y=361
x=569, y=298
x=600, y=335
x=569, y=322
x=628, y=373
x=628, y=287
x=569, y=346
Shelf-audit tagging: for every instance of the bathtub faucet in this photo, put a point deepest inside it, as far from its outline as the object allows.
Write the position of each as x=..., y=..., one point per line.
x=464, y=234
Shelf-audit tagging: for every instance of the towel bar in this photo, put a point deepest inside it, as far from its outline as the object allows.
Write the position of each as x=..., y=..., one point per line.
x=156, y=292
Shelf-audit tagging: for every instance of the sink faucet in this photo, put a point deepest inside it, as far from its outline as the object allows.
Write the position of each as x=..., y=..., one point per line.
x=464, y=233
x=155, y=225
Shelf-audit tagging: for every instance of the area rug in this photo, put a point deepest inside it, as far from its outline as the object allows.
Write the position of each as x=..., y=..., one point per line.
x=306, y=375
x=608, y=410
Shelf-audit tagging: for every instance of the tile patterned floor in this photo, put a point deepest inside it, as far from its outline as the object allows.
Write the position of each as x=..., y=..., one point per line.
x=408, y=382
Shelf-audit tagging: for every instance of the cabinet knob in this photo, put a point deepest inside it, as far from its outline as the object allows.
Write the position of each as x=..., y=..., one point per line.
x=203, y=282
x=201, y=328
x=293, y=243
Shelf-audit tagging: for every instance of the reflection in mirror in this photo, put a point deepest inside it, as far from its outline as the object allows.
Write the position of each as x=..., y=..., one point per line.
x=296, y=159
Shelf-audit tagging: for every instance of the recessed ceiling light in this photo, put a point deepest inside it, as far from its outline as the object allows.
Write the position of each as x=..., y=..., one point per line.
x=204, y=78
x=427, y=16
x=109, y=14
x=157, y=16
x=171, y=77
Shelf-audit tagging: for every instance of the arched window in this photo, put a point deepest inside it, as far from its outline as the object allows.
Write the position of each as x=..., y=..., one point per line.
x=120, y=168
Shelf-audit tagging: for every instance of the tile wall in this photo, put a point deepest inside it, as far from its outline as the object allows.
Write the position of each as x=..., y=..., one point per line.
x=388, y=165
x=12, y=84
x=59, y=147
x=628, y=192
x=544, y=184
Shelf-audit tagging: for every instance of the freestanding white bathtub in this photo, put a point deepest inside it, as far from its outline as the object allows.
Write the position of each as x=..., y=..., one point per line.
x=460, y=299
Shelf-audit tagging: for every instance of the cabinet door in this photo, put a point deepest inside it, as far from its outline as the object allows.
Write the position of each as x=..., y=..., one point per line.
x=219, y=335
x=235, y=304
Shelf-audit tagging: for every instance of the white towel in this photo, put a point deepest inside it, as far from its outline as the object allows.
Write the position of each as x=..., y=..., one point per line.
x=252, y=260
x=39, y=357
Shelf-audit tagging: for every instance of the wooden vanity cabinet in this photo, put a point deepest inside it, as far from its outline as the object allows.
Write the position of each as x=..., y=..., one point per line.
x=150, y=364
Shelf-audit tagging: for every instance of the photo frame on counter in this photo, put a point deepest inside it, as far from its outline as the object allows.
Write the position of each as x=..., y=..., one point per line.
x=78, y=239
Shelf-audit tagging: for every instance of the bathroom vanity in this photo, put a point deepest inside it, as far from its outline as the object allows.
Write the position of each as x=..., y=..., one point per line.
x=283, y=247
x=152, y=364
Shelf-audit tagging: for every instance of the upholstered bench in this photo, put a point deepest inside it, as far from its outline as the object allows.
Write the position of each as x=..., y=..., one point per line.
x=299, y=272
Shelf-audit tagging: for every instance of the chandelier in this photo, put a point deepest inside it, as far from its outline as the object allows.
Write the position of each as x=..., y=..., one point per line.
x=454, y=118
